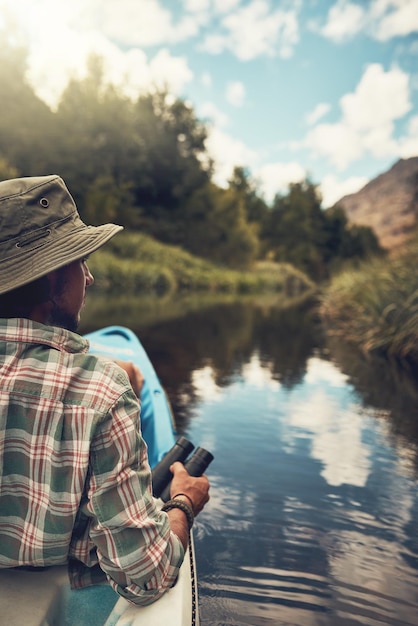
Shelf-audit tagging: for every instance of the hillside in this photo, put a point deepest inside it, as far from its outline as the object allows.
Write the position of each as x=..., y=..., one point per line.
x=388, y=204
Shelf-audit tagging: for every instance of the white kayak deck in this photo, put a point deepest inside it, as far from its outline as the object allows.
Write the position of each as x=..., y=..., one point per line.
x=44, y=598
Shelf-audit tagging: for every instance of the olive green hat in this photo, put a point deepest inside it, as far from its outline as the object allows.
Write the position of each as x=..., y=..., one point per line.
x=41, y=230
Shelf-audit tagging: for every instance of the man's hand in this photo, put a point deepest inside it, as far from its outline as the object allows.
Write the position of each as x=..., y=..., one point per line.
x=134, y=373
x=196, y=490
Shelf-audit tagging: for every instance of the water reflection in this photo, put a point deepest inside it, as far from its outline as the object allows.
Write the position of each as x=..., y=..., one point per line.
x=314, y=510
x=225, y=337
x=336, y=444
x=391, y=389
x=313, y=519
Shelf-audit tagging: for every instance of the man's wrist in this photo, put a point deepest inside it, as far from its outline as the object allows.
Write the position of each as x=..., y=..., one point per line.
x=185, y=498
x=178, y=503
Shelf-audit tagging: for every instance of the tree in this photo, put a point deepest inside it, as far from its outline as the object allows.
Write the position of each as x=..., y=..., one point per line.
x=174, y=165
x=316, y=241
x=148, y=154
x=95, y=138
x=348, y=242
x=256, y=209
x=108, y=201
x=295, y=232
x=216, y=227
x=25, y=119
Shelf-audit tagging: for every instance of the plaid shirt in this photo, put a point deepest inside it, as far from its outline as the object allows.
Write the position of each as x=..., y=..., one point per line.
x=75, y=483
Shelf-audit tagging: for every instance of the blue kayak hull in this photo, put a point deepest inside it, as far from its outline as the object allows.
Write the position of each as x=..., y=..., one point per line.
x=157, y=426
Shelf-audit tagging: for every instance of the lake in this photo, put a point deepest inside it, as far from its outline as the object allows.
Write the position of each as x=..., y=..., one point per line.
x=313, y=517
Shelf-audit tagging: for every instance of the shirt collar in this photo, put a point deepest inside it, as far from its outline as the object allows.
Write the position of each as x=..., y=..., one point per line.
x=22, y=330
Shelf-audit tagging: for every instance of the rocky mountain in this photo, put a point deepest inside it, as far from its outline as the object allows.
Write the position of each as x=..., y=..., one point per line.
x=388, y=204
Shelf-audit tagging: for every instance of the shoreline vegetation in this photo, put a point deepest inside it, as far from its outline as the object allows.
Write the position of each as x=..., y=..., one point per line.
x=374, y=307
x=135, y=263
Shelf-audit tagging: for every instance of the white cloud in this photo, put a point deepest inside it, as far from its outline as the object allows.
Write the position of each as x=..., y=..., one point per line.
x=49, y=74
x=254, y=30
x=379, y=98
x=333, y=189
x=275, y=178
x=42, y=16
x=225, y=6
x=235, y=93
x=394, y=18
x=122, y=21
x=337, y=142
x=173, y=72
x=131, y=71
x=66, y=29
x=125, y=22
x=408, y=144
x=317, y=113
x=367, y=121
x=344, y=20
x=196, y=6
x=147, y=24
x=227, y=153
x=381, y=19
x=213, y=44
x=209, y=111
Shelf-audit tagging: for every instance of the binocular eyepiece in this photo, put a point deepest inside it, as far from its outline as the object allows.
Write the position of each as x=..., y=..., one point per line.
x=196, y=464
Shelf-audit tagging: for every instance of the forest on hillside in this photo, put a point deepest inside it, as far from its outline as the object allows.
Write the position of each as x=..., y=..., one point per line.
x=143, y=163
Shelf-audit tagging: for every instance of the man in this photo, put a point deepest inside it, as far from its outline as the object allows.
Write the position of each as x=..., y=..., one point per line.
x=75, y=485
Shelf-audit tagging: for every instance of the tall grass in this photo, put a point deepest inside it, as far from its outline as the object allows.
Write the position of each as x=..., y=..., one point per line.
x=136, y=263
x=376, y=306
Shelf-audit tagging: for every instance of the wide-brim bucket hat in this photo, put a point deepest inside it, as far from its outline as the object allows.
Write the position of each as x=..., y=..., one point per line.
x=41, y=230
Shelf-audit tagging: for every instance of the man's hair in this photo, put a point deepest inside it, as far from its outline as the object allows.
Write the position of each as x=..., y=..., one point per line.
x=21, y=301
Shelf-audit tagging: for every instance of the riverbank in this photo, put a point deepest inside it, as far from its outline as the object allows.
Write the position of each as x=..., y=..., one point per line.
x=375, y=307
x=134, y=263
x=142, y=310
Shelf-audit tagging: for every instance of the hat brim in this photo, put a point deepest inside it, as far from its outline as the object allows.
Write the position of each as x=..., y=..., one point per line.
x=51, y=255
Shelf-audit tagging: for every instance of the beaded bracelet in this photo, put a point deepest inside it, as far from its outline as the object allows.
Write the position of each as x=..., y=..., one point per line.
x=183, y=506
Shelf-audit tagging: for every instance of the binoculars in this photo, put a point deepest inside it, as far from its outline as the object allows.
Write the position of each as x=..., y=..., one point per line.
x=196, y=464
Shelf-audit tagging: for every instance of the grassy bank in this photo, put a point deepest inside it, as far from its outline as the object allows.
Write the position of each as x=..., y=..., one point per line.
x=136, y=263
x=375, y=308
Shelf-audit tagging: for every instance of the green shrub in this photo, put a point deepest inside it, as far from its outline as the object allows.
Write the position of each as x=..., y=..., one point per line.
x=376, y=306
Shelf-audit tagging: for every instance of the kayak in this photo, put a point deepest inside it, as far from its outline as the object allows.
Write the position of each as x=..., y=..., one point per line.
x=44, y=598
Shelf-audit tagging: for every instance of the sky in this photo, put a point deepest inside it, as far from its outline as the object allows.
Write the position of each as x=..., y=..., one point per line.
x=325, y=89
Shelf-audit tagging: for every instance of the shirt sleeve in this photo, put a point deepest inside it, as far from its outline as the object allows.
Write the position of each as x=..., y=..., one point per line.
x=136, y=549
